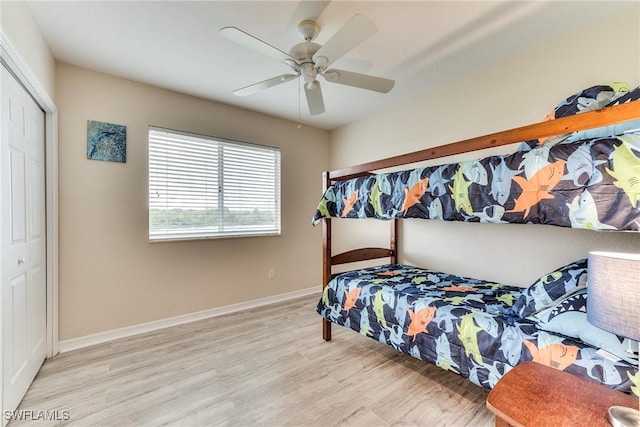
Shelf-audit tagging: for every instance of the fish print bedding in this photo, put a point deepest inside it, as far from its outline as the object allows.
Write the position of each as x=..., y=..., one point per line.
x=464, y=325
x=589, y=184
x=587, y=179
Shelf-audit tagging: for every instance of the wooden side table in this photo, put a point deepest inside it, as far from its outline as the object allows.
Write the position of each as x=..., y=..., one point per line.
x=532, y=394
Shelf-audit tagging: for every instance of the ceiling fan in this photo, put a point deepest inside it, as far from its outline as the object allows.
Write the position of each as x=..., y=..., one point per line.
x=309, y=60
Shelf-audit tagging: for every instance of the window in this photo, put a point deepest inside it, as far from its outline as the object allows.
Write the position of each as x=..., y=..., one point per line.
x=201, y=187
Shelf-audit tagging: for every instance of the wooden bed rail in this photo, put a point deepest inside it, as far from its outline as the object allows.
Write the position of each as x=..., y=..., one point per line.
x=363, y=254
x=592, y=119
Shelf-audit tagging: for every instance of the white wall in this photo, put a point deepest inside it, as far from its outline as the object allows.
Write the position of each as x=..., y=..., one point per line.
x=20, y=27
x=110, y=275
x=515, y=92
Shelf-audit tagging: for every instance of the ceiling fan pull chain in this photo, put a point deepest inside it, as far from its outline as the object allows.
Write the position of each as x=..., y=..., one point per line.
x=299, y=96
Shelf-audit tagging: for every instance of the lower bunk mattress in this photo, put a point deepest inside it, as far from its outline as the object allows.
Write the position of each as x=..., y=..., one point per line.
x=460, y=324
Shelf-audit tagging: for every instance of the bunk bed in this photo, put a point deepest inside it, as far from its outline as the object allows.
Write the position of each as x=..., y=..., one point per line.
x=580, y=168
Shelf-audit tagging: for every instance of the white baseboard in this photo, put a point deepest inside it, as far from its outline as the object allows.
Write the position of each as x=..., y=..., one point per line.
x=114, y=334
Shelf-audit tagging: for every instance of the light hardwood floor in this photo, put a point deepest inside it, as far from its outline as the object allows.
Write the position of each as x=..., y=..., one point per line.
x=262, y=367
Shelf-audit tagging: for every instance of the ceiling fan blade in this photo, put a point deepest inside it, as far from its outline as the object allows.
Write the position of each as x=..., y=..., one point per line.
x=247, y=40
x=363, y=81
x=265, y=84
x=314, y=99
x=354, y=32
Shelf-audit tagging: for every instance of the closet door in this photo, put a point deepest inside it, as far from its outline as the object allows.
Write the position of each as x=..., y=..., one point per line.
x=22, y=231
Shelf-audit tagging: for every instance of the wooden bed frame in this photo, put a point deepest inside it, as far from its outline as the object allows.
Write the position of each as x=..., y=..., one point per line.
x=593, y=119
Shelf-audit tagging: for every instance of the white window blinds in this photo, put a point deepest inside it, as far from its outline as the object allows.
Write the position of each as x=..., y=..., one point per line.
x=202, y=187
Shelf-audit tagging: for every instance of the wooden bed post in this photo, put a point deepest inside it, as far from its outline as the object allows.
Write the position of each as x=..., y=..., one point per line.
x=326, y=256
x=392, y=241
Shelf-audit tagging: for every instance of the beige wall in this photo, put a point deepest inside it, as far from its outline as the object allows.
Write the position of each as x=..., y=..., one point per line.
x=20, y=27
x=515, y=92
x=110, y=275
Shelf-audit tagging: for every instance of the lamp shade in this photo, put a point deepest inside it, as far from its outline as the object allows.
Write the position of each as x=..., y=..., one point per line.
x=613, y=293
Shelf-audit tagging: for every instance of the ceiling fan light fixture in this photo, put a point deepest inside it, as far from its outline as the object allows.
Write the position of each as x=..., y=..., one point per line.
x=312, y=84
x=308, y=72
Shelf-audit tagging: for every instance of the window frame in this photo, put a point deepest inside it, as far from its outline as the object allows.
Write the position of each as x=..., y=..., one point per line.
x=205, y=233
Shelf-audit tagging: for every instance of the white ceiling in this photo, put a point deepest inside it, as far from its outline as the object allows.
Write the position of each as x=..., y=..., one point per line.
x=421, y=44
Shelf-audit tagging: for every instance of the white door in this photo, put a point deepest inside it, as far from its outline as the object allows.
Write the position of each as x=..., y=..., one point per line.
x=22, y=231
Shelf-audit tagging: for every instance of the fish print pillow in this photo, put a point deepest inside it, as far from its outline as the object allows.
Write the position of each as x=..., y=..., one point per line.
x=589, y=99
x=633, y=95
x=569, y=318
x=549, y=289
x=617, y=129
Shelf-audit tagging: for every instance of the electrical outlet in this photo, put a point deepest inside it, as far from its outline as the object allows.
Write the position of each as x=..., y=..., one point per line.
x=272, y=273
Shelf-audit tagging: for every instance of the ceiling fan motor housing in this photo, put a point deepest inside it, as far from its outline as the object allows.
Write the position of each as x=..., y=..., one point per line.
x=303, y=53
